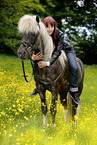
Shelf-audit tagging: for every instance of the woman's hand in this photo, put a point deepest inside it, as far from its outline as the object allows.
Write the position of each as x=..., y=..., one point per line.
x=37, y=56
x=42, y=64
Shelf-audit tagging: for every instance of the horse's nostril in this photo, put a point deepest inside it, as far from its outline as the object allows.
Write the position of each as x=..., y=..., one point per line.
x=22, y=54
x=19, y=54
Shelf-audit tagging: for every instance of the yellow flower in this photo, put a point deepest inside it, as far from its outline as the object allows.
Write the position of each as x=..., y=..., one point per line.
x=3, y=113
x=18, y=139
x=10, y=135
x=50, y=138
x=20, y=109
x=14, y=106
x=25, y=117
x=21, y=134
x=42, y=130
x=17, y=101
x=76, y=117
x=16, y=113
x=16, y=125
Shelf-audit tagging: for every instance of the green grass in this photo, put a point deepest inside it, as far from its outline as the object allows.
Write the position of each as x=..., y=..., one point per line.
x=21, y=117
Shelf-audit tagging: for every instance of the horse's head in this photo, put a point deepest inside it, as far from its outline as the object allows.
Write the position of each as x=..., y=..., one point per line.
x=28, y=26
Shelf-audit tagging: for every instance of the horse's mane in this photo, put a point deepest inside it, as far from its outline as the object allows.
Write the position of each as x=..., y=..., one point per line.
x=28, y=24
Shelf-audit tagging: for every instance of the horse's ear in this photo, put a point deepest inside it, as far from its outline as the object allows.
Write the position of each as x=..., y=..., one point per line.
x=37, y=19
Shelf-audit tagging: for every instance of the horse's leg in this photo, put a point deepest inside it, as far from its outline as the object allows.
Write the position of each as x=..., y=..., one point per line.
x=43, y=107
x=75, y=111
x=77, y=115
x=44, y=119
x=63, y=98
x=53, y=107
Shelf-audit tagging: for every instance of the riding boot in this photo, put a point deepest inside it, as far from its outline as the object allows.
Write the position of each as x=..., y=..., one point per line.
x=75, y=97
x=35, y=92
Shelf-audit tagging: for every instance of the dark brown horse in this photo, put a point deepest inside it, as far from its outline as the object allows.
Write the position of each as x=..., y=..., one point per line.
x=54, y=78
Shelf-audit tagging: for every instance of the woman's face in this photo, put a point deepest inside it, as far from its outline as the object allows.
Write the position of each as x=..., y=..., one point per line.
x=50, y=29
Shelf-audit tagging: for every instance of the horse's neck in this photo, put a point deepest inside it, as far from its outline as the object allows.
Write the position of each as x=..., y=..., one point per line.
x=47, y=42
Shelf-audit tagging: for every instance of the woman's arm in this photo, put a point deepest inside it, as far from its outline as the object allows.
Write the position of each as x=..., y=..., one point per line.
x=37, y=56
x=57, y=51
x=42, y=64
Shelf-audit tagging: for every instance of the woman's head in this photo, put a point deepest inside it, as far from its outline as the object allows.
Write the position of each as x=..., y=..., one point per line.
x=49, y=20
x=50, y=24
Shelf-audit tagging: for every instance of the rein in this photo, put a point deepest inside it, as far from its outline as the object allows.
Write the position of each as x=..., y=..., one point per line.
x=24, y=74
x=46, y=83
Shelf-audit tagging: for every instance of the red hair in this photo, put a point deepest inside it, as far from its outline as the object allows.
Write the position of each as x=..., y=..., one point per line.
x=52, y=22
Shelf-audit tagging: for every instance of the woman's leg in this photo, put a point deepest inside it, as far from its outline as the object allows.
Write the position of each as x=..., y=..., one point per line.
x=72, y=60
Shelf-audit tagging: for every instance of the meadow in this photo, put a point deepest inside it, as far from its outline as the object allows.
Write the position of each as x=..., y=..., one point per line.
x=21, y=117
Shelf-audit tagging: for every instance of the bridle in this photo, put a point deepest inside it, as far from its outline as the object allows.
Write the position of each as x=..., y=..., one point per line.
x=31, y=46
x=30, y=52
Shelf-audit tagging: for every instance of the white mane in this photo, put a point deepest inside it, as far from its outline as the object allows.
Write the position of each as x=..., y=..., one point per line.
x=28, y=24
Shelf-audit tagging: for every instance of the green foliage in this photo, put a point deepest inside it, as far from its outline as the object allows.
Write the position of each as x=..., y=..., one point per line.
x=89, y=48
x=11, y=12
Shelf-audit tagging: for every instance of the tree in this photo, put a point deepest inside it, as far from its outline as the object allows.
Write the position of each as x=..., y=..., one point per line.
x=79, y=13
x=11, y=11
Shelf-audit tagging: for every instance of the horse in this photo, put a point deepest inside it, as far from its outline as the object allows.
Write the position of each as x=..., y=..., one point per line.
x=54, y=78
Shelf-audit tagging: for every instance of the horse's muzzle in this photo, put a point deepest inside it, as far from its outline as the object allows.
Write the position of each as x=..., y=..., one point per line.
x=22, y=54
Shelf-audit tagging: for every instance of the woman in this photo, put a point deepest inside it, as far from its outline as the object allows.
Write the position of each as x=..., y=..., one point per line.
x=61, y=43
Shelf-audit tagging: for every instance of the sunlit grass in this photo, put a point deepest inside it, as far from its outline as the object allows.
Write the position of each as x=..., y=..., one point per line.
x=21, y=117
